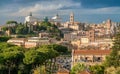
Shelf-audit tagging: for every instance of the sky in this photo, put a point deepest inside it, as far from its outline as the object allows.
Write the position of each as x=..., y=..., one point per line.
x=90, y=11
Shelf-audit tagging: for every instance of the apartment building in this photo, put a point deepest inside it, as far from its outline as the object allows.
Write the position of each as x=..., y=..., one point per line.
x=17, y=41
x=89, y=57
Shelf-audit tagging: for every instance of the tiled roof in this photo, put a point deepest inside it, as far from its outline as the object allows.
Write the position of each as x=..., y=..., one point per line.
x=18, y=39
x=93, y=52
x=63, y=70
x=84, y=72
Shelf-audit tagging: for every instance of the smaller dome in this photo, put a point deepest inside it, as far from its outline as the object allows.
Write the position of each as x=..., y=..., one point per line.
x=56, y=17
x=30, y=19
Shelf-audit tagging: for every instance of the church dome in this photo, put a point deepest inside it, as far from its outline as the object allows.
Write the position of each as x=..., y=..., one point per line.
x=30, y=18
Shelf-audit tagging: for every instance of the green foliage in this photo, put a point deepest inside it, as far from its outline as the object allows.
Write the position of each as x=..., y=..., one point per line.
x=46, y=19
x=114, y=58
x=118, y=70
x=25, y=29
x=112, y=70
x=10, y=57
x=11, y=22
x=47, y=50
x=22, y=29
x=4, y=45
x=4, y=39
x=15, y=59
x=56, y=47
x=33, y=57
x=50, y=28
x=97, y=69
x=60, y=48
x=4, y=28
x=77, y=68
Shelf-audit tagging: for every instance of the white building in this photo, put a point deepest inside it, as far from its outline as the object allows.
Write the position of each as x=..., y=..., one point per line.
x=73, y=24
x=56, y=20
x=30, y=19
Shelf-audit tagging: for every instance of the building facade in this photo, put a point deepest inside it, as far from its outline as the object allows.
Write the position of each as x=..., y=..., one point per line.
x=89, y=57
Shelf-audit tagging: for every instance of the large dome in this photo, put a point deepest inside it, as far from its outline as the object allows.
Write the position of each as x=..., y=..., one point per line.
x=56, y=17
x=30, y=19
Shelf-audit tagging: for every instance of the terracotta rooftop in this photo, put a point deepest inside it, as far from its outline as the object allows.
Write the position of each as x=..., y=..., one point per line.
x=84, y=72
x=93, y=52
x=63, y=70
x=17, y=38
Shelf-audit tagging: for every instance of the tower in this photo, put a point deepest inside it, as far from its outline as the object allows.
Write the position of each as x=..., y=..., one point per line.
x=72, y=18
x=108, y=26
x=30, y=14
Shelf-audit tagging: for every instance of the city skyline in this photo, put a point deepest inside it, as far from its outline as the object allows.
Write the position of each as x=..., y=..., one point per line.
x=85, y=11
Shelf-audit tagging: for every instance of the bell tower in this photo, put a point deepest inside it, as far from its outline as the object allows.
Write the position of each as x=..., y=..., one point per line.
x=72, y=18
x=108, y=26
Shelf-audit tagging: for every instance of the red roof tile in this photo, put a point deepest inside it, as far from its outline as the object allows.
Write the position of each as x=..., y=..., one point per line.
x=84, y=72
x=93, y=52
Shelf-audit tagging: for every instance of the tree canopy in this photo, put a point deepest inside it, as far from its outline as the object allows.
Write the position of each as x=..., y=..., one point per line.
x=97, y=69
x=4, y=39
x=77, y=68
x=114, y=58
x=11, y=22
x=10, y=57
x=15, y=59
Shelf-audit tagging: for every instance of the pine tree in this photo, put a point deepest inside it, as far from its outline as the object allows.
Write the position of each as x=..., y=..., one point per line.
x=114, y=58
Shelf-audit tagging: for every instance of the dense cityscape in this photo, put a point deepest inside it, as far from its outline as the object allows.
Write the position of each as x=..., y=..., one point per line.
x=50, y=46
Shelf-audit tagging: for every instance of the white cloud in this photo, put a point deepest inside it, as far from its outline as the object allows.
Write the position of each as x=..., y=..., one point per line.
x=51, y=7
x=106, y=10
x=46, y=7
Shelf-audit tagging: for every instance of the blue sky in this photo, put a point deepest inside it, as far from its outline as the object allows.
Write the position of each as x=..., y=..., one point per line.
x=91, y=11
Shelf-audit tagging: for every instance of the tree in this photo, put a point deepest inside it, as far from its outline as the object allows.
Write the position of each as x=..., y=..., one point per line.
x=77, y=68
x=50, y=55
x=21, y=29
x=4, y=39
x=4, y=28
x=60, y=48
x=10, y=58
x=4, y=45
x=33, y=57
x=47, y=50
x=114, y=58
x=112, y=70
x=97, y=69
x=11, y=22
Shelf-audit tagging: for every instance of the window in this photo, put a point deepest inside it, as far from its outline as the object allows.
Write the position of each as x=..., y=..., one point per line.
x=97, y=59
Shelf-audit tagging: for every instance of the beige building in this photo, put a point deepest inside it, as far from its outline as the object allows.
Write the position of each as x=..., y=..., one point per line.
x=70, y=36
x=76, y=44
x=85, y=40
x=36, y=41
x=8, y=32
x=43, y=35
x=91, y=35
x=17, y=41
x=31, y=44
x=89, y=57
x=108, y=25
x=72, y=24
x=105, y=29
